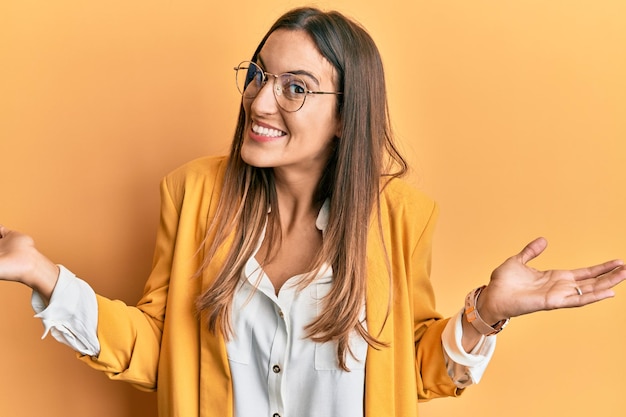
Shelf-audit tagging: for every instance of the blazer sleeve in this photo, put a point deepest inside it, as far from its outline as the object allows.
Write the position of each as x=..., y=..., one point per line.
x=431, y=371
x=130, y=336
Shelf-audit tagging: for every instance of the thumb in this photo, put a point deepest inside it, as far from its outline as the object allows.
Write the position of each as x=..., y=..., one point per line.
x=532, y=250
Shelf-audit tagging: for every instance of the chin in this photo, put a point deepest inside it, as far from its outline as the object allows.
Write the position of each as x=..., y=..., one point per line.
x=253, y=159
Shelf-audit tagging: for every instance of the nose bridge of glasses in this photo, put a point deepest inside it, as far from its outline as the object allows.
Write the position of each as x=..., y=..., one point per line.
x=275, y=86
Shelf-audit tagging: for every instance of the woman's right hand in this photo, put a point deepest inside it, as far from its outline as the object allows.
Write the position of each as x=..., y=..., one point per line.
x=21, y=262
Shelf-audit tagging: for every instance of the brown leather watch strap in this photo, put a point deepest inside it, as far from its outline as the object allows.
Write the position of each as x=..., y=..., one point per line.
x=472, y=316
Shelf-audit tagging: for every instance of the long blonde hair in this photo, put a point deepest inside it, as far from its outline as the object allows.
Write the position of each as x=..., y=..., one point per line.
x=363, y=156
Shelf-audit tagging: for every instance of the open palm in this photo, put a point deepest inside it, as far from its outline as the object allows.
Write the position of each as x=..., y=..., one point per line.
x=516, y=288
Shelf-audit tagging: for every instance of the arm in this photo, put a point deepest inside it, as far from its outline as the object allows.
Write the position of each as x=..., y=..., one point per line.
x=129, y=336
x=516, y=289
x=523, y=290
x=71, y=314
x=432, y=371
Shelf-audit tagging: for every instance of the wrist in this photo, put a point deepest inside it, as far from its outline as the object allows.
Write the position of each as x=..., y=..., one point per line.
x=484, y=305
x=43, y=276
x=483, y=321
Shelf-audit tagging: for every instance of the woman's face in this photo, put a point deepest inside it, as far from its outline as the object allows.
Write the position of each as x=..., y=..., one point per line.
x=300, y=142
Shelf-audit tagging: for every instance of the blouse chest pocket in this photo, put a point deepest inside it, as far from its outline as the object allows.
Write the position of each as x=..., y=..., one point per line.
x=326, y=353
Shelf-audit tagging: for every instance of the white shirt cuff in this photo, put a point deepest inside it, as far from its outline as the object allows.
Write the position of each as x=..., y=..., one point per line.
x=465, y=368
x=71, y=316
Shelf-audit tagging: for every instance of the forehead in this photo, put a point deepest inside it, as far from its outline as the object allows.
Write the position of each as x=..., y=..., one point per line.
x=294, y=51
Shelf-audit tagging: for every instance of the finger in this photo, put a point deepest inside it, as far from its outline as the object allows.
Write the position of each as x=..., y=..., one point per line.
x=588, y=294
x=533, y=249
x=597, y=289
x=605, y=281
x=596, y=270
x=589, y=298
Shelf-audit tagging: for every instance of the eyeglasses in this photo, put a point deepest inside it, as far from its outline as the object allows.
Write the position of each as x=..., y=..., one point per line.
x=289, y=89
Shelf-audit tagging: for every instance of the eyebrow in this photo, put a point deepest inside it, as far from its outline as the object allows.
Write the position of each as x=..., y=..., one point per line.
x=294, y=72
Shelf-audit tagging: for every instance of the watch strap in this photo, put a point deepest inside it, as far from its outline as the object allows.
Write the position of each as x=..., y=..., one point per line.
x=472, y=316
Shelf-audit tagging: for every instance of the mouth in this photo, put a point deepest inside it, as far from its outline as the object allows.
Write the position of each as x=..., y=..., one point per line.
x=266, y=132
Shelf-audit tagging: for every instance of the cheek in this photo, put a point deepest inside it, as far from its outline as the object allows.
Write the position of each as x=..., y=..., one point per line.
x=325, y=118
x=330, y=125
x=246, y=104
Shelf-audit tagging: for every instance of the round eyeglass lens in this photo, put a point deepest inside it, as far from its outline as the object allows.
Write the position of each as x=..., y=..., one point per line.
x=249, y=78
x=292, y=92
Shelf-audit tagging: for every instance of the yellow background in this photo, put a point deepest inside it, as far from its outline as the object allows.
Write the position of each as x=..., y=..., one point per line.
x=513, y=114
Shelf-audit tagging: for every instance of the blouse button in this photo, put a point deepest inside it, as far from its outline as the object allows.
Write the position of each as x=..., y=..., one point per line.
x=275, y=415
x=276, y=369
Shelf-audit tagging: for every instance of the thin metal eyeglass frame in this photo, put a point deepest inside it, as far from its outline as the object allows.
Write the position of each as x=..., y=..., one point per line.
x=246, y=65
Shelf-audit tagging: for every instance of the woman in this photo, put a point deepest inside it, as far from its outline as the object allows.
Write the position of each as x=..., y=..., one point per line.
x=291, y=278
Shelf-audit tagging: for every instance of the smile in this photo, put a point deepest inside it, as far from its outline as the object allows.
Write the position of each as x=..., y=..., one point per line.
x=266, y=131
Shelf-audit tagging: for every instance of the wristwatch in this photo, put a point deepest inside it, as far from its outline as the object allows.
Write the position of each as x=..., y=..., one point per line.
x=472, y=316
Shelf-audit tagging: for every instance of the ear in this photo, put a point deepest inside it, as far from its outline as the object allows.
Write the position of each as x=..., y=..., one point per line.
x=339, y=130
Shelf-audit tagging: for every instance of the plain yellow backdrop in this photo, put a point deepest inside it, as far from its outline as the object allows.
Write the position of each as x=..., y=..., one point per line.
x=512, y=113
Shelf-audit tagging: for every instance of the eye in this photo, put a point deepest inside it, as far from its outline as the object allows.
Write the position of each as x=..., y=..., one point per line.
x=293, y=87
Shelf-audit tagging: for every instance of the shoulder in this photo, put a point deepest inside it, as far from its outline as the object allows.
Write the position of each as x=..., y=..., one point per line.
x=199, y=177
x=198, y=171
x=399, y=196
x=405, y=211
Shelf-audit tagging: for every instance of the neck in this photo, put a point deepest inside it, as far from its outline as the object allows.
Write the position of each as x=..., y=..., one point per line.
x=296, y=196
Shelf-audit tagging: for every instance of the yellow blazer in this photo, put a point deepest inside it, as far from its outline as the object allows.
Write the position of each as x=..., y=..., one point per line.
x=162, y=345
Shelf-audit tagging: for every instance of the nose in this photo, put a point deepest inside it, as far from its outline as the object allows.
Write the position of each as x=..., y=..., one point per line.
x=265, y=100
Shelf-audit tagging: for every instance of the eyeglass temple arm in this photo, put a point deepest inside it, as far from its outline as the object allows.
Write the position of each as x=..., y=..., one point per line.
x=324, y=92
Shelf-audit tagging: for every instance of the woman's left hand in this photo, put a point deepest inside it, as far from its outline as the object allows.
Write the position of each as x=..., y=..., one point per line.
x=516, y=289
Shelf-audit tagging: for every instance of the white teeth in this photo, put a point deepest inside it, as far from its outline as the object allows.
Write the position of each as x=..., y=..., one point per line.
x=273, y=133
